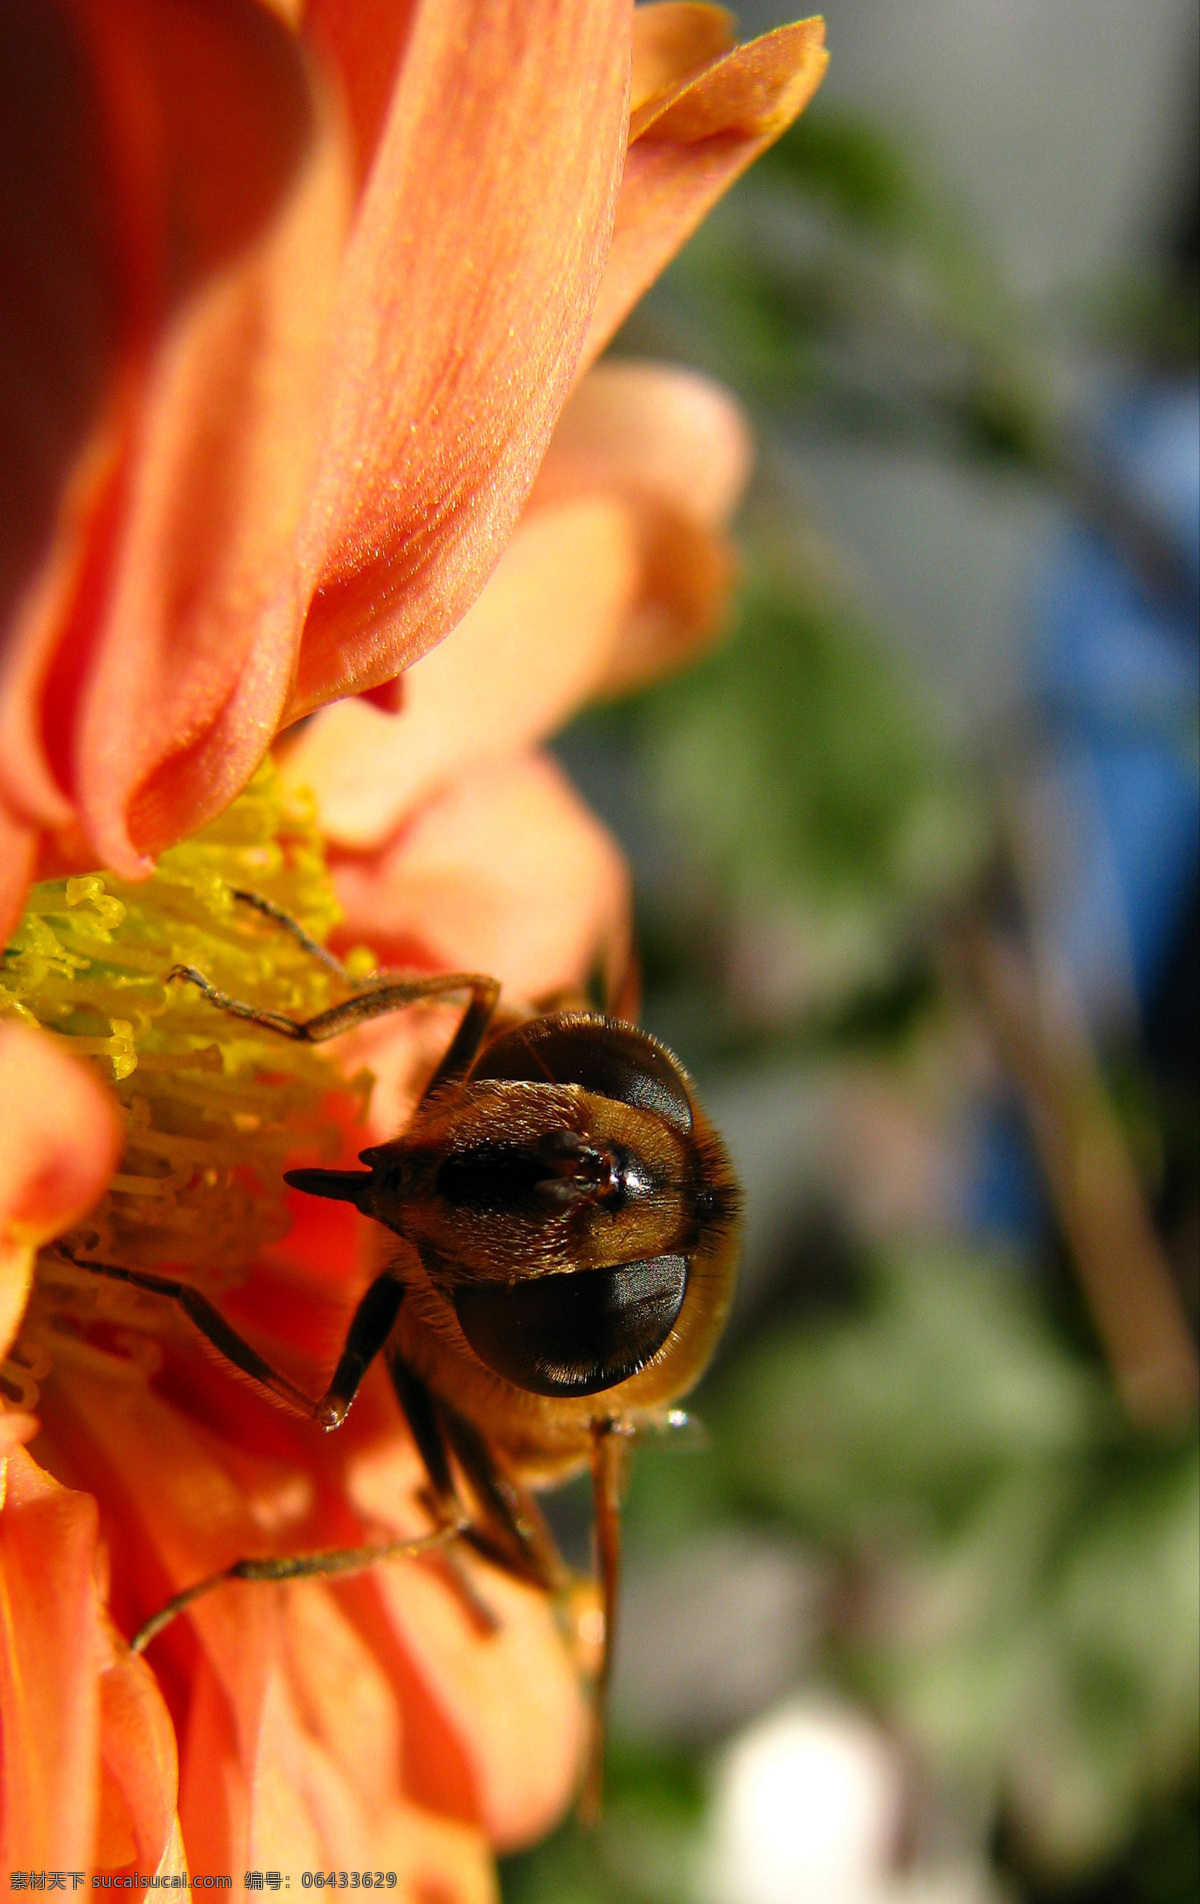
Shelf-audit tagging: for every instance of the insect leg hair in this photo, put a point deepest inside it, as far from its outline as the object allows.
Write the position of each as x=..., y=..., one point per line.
x=271, y=911
x=513, y=1531
x=373, y=1002
x=282, y=1567
x=369, y=1330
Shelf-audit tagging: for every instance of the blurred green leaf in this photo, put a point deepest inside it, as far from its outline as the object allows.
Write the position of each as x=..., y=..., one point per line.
x=852, y=165
x=842, y=288
x=794, y=770
x=1032, y=1618
x=900, y=1417
x=643, y=1851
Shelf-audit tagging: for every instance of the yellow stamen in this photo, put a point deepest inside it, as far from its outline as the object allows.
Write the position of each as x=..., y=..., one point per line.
x=214, y=1108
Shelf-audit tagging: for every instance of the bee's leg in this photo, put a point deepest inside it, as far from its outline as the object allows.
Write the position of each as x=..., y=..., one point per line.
x=463, y=1049
x=271, y=911
x=476, y=1019
x=514, y=1531
x=426, y=1430
x=375, y=1002
x=369, y=1329
x=421, y=1416
x=513, y=1534
x=211, y=1324
x=610, y=1451
x=279, y=1567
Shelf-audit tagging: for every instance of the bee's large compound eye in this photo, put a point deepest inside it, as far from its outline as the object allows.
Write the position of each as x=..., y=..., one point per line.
x=614, y=1061
x=575, y=1333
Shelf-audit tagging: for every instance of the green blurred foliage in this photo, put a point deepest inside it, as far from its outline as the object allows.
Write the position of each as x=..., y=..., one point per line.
x=1014, y=1582
x=643, y=1852
x=799, y=775
x=839, y=288
x=1027, y=1596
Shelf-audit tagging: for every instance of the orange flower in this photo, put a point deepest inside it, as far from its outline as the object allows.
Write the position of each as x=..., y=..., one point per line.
x=302, y=293
x=297, y=309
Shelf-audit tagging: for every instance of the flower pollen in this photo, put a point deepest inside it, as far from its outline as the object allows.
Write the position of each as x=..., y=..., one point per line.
x=214, y=1107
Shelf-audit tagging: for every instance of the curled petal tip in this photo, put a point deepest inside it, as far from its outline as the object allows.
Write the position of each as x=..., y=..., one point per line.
x=753, y=92
x=671, y=41
x=688, y=144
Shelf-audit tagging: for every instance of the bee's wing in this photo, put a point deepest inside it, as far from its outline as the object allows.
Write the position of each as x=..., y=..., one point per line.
x=682, y=1431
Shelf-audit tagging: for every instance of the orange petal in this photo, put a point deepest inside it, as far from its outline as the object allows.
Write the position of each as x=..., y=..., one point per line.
x=18, y=859
x=336, y=1654
x=514, y=1697
x=60, y=1134
x=686, y=147
x=506, y=873
x=463, y=301
x=152, y=649
x=308, y=1732
x=89, y=1761
x=177, y=1511
x=363, y=41
x=532, y=648
x=687, y=586
x=49, y=1691
x=61, y=318
x=673, y=40
x=658, y=430
x=677, y=448
x=139, y=1768
x=613, y=574
x=287, y=1805
x=16, y=1428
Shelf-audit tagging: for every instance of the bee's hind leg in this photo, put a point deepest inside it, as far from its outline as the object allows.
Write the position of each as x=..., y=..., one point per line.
x=513, y=1530
x=282, y=1567
x=508, y=1527
x=610, y=1461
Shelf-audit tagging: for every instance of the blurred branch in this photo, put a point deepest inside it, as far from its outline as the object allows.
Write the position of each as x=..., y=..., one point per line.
x=1042, y=1039
x=1078, y=473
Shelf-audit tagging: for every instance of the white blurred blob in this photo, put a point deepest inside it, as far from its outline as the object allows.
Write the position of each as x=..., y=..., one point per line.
x=807, y=1808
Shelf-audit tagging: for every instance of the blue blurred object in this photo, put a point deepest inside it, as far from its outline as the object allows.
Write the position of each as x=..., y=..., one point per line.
x=1115, y=690
x=1120, y=681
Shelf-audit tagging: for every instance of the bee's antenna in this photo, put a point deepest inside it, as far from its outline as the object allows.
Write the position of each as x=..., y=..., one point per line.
x=346, y=1186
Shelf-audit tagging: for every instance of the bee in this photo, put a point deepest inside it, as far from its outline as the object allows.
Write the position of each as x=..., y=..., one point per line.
x=567, y=1225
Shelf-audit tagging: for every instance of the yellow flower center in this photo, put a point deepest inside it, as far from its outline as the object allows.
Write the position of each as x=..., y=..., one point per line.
x=213, y=1107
